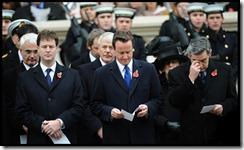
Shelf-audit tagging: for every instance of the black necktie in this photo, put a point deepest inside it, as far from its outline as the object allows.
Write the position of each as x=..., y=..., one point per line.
x=48, y=77
x=127, y=76
x=203, y=77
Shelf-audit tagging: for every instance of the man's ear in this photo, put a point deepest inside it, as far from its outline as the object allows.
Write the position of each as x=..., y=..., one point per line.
x=210, y=53
x=15, y=39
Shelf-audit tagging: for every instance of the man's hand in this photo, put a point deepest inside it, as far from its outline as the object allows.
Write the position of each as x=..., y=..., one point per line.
x=100, y=133
x=56, y=135
x=142, y=110
x=116, y=114
x=50, y=127
x=217, y=110
x=194, y=71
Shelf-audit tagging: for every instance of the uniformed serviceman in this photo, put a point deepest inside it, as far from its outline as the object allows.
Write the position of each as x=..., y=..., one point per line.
x=224, y=48
x=104, y=17
x=7, y=42
x=16, y=30
x=223, y=43
x=123, y=22
x=197, y=18
x=75, y=42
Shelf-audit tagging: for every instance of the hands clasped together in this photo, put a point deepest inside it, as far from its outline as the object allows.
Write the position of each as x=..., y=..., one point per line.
x=52, y=128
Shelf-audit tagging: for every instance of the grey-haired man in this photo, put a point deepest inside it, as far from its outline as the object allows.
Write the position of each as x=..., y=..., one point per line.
x=202, y=83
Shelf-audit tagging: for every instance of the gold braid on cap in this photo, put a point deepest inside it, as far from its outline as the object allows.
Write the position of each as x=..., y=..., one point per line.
x=22, y=23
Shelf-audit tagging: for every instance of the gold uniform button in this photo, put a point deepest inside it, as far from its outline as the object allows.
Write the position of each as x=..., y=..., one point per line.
x=226, y=46
x=226, y=57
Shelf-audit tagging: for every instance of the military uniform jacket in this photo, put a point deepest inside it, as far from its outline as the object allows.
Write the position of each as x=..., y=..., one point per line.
x=36, y=102
x=202, y=129
x=224, y=47
x=110, y=92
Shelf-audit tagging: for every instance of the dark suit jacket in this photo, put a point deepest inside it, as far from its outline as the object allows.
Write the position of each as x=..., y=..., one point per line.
x=83, y=59
x=36, y=102
x=202, y=129
x=139, y=45
x=110, y=92
x=11, y=126
x=86, y=72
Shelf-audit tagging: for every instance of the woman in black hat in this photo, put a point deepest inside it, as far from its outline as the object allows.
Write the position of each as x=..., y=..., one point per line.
x=168, y=57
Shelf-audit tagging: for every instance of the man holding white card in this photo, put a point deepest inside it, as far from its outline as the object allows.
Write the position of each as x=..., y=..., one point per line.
x=120, y=88
x=205, y=93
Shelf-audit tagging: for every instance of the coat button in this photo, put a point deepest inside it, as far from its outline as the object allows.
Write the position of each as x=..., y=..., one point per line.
x=49, y=99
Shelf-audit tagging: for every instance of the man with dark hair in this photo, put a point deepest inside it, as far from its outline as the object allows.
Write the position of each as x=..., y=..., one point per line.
x=124, y=86
x=204, y=92
x=48, y=100
x=92, y=45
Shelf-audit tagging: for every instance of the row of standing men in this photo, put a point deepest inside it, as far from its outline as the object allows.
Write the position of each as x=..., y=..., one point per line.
x=116, y=115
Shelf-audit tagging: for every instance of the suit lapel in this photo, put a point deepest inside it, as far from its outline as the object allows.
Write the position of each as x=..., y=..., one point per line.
x=39, y=76
x=58, y=76
x=210, y=79
x=117, y=75
x=96, y=64
x=135, y=75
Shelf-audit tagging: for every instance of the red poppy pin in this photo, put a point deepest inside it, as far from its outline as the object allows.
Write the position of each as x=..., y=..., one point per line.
x=214, y=73
x=135, y=74
x=59, y=75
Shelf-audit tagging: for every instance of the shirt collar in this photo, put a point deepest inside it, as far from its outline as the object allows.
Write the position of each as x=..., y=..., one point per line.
x=92, y=58
x=121, y=66
x=27, y=67
x=44, y=68
x=20, y=56
x=102, y=62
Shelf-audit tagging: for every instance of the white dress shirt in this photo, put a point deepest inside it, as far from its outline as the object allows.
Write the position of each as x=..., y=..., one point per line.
x=122, y=68
x=44, y=68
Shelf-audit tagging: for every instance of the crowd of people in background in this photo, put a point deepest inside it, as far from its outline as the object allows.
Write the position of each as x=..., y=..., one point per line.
x=114, y=88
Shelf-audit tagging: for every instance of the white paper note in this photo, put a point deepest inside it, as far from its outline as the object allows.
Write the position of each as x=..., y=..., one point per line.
x=206, y=109
x=62, y=140
x=23, y=139
x=127, y=115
